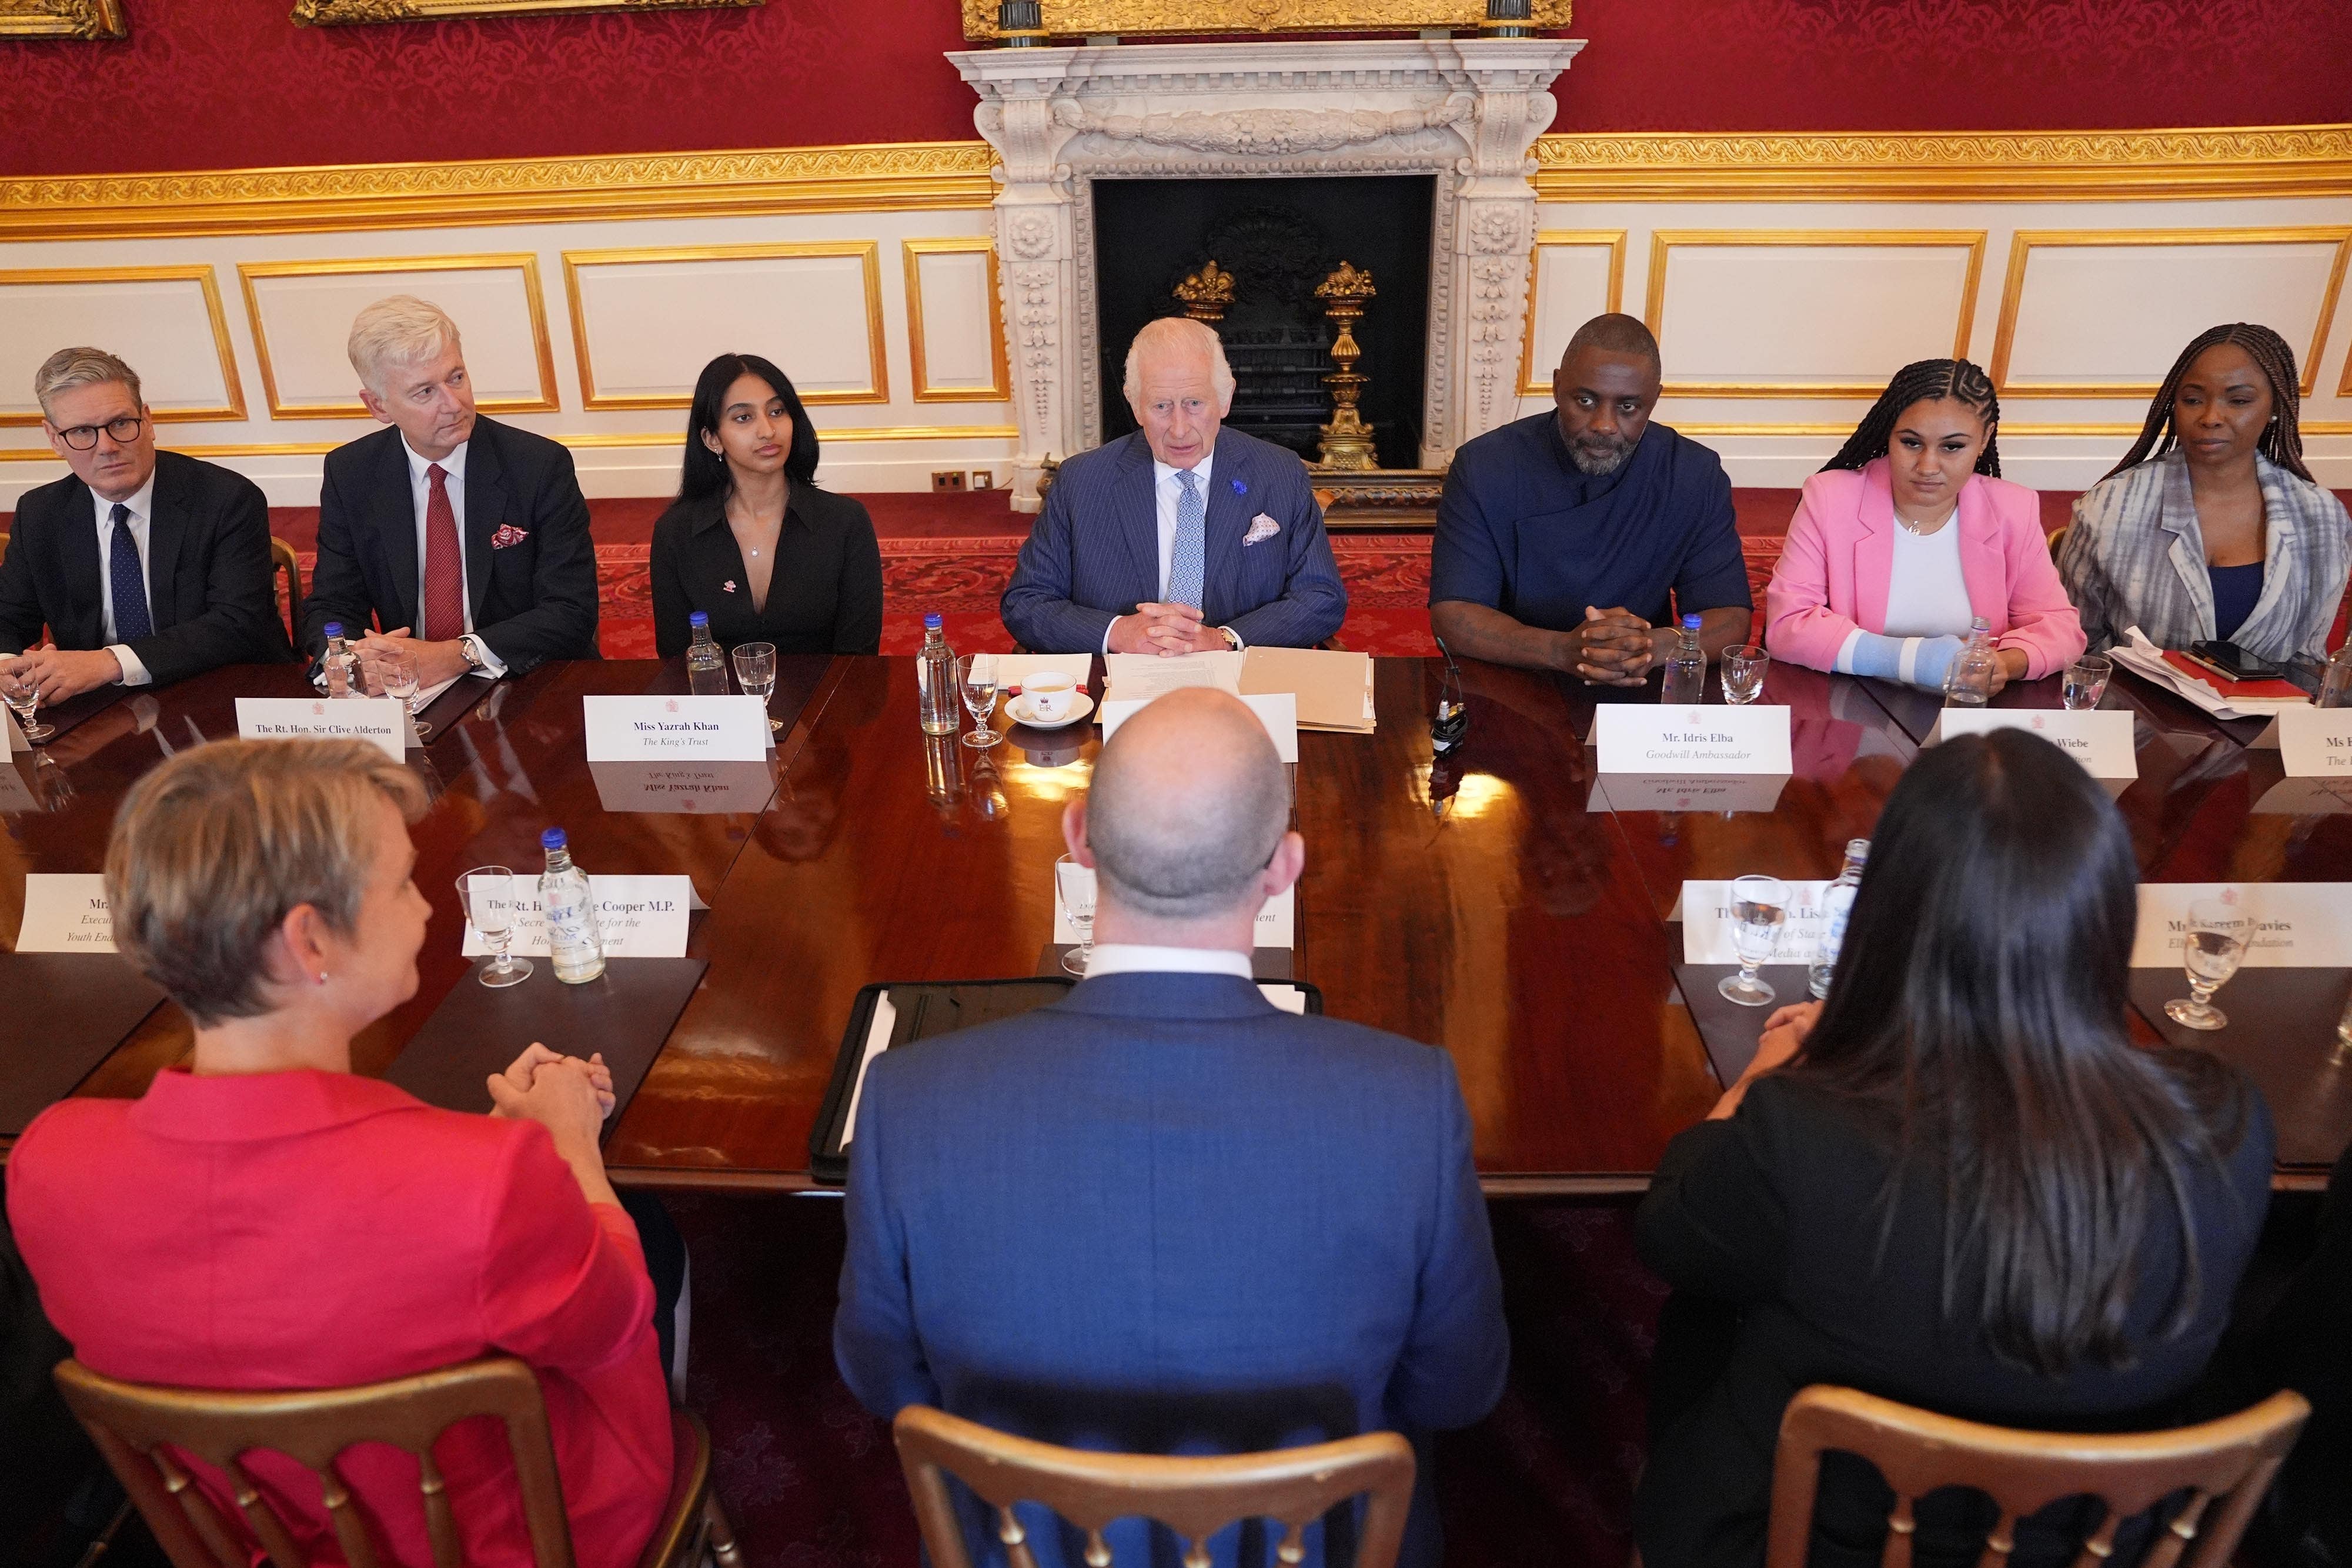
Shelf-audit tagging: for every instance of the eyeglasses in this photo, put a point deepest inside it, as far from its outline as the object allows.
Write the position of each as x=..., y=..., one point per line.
x=84, y=437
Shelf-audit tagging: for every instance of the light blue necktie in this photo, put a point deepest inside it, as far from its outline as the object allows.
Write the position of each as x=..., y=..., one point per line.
x=131, y=620
x=1187, y=566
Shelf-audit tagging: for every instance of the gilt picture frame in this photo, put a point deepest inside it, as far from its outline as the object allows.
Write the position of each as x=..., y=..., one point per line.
x=91, y=20
x=1076, y=19
x=339, y=13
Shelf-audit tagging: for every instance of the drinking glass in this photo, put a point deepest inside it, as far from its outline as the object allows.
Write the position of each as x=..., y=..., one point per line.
x=24, y=699
x=976, y=676
x=1077, y=885
x=2085, y=683
x=755, y=672
x=1759, y=906
x=400, y=683
x=2218, y=931
x=487, y=893
x=1743, y=674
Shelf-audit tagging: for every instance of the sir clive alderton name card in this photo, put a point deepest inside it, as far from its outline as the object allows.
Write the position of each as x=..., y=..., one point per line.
x=1654, y=738
x=379, y=720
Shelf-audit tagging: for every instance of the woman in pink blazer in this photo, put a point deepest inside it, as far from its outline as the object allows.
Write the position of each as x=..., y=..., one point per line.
x=1909, y=534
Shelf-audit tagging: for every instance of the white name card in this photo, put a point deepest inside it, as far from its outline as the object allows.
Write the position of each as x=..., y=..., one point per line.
x=2098, y=739
x=377, y=719
x=1722, y=792
x=1276, y=922
x=1653, y=738
x=66, y=914
x=15, y=740
x=1278, y=711
x=2287, y=797
x=2297, y=924
x=2313, y=742
x=671, y=729
x=637, y=917
x=1704, y=910
x=709, y=789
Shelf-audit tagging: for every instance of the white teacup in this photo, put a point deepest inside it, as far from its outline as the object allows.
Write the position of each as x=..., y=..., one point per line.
x=1048, y=693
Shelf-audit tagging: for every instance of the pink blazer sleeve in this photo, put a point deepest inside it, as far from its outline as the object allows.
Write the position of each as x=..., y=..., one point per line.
x=2042, y=621
x=1800, y=626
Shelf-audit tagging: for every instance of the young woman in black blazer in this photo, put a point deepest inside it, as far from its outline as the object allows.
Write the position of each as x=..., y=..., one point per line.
x=750, y=540
x=1956, y=1183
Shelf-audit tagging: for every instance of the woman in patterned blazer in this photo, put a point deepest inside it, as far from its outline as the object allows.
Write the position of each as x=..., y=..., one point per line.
x=2221, y=535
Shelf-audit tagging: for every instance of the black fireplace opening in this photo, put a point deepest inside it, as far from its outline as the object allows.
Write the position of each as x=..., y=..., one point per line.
x=1278, y=238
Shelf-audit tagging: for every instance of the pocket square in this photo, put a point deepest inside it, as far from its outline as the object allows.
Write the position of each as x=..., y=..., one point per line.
x=1261, y=528
x=508, y=534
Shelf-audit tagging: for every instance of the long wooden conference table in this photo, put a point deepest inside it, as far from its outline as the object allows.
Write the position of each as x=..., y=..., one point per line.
x=1493, y=904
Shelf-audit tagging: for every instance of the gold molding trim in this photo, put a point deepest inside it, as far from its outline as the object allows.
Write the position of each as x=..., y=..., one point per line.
x=578, y=442
x=342, y=13
x=999, y=389
x=1084, y=19
x=1696, y=428
x=201, y=273
x=87, y=19
x=526, y=262
x=1909, y=166
x=2027, y=241
x=878, y=382
x=1565, y=239
x=1662, y=241
x=879, y=177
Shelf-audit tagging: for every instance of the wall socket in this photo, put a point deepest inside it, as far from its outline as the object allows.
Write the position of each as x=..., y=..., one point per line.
x=943, y=479
x=983, y=479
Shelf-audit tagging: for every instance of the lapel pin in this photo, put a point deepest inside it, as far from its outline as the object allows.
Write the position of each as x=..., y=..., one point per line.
x=1241, y=487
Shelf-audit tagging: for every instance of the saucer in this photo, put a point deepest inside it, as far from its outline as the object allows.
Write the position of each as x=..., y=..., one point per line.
x=1018, y=709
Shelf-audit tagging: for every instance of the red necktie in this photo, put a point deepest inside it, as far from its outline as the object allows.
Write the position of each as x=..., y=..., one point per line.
x=445, y=572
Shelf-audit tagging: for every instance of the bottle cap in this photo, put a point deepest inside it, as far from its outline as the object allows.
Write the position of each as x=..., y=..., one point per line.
x=552, y=839
x=334, y=628
x=698, y=618
x=1690, y=622
x=932, y=623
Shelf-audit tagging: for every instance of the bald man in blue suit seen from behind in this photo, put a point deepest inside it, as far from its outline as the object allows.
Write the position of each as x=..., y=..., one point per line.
x=1182, y=536
x=1162, y=1215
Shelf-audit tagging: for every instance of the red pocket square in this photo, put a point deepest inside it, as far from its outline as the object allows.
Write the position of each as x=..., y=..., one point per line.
x=509, y=535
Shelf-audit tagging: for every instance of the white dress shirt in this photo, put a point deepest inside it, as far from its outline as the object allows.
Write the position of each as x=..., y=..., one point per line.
x=1166, y=492
x=142, y=516
x=420, y=495
x=1137, y=959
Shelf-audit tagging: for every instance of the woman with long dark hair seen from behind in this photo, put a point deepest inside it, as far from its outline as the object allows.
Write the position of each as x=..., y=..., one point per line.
x=751, y=541
x=2212, y=529
x=1957, y=1183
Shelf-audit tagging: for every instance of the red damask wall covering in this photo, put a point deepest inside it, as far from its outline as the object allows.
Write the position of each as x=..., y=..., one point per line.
x=220, y=84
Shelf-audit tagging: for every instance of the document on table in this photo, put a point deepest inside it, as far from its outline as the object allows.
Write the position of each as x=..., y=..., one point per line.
x=1334, y=688
x=2145, y=659
x=1139, y=677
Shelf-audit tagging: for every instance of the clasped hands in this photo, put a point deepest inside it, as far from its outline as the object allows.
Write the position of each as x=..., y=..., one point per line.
x=569, y=1097
x=437, y=663
x=1166, y=629
x=59, y=672
x=1784, y=1035
x=1612, y=648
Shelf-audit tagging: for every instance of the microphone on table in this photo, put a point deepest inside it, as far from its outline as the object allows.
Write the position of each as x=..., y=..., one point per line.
x=1452, y=725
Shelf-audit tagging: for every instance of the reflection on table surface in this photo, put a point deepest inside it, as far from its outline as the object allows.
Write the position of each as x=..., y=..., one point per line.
x=1506, y=902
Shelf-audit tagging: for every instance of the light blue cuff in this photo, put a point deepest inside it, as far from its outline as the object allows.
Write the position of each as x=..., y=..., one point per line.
x=1914, y=661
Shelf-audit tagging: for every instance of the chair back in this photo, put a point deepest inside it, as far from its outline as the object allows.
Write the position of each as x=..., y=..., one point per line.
x=2228, y=1462
x=282, y=559
x=2058, y=539
x=137, y=1427
x=1194, y=1497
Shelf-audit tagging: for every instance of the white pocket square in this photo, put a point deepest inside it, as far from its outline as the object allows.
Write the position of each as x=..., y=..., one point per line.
x=1262, y=526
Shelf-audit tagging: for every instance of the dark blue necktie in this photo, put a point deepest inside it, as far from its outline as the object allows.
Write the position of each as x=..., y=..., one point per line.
x=129, y=585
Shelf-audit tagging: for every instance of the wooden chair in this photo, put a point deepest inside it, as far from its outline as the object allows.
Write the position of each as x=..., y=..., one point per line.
x=282, y=559
x=2229, y=1462
x=2058, y=539
x=131, y=1423
x=1194, y=1497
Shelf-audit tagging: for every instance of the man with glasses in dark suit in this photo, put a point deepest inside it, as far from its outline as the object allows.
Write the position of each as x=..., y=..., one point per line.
x=146, y=567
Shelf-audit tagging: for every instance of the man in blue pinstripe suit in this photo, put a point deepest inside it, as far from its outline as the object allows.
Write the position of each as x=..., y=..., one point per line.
x=1181, y=537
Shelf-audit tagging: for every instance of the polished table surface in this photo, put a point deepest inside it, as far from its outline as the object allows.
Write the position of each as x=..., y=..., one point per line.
x=1493, y=905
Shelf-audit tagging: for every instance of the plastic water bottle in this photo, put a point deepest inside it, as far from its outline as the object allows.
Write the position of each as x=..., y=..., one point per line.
x=1686, y=668
x=1969, y=682
x=935, y=681
x=573, y=940
x=2335, y=684
x=337, y=663
x=1837, y=902
x=706, y=667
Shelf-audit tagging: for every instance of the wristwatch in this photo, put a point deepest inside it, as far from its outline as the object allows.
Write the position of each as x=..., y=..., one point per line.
x=472, y=652
x=1232, y=639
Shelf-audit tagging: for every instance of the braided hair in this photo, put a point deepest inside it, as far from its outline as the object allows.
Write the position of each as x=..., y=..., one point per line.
x=2281, y=439
x=1924, y=381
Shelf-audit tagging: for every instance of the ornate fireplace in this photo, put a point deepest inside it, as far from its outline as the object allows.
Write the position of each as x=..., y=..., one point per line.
x=1466, y=111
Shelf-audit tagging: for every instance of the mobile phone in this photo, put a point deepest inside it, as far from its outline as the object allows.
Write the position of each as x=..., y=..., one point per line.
x=2234, y=662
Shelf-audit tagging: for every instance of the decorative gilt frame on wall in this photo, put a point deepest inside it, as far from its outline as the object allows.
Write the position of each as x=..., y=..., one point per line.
x=1197, y=18
x=336, y=13
x=63, y=19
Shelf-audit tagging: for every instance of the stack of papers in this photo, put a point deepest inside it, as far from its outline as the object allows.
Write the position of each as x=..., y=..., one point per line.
x=1334, y=689
x=2145, y=659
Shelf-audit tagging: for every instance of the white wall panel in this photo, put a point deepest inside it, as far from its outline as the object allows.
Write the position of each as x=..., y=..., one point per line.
x=302, y=311
x=165, y=322
x=1576, y=276
x=955, y=334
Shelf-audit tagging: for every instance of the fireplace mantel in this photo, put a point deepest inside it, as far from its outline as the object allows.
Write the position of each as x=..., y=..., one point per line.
x=1467, y=111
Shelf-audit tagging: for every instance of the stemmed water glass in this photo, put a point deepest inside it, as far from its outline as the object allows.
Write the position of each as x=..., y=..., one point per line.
x=487, y=894
x=23, y=700
x=755, y=672
x=1077, y=885
x=2085, y=683
x=400, y=683
x=976, y=678
x=2211, y=950
x=1743, y=674
x=1759, y=906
